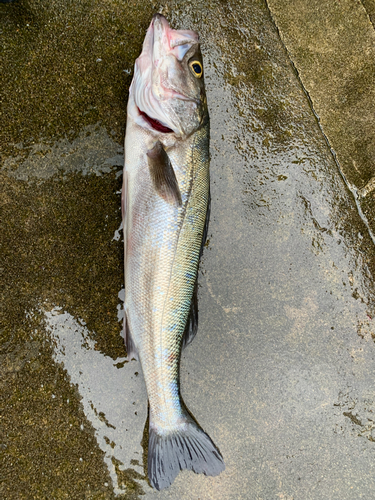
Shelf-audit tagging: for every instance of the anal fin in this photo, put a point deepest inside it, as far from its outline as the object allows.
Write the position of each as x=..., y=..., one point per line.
x=131, y=349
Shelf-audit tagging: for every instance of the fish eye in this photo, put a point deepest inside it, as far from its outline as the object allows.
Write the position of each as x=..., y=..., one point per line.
x=196, y=68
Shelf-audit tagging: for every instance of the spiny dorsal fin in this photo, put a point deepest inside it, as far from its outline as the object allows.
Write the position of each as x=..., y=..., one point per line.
x=162, y=174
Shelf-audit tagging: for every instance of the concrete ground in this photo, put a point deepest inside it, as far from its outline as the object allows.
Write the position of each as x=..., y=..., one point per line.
x=281, y=373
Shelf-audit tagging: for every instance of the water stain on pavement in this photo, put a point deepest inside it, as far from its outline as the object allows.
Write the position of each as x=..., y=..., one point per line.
x=111, y=403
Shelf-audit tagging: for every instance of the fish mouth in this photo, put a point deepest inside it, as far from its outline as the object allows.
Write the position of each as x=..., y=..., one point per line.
x=169, y=37
x=155, y=124
x=159, y=18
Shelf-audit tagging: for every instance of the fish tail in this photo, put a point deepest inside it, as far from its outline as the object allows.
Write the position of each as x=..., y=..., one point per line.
x=186, y=447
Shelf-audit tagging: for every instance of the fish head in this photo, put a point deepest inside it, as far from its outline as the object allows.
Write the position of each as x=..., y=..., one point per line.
x=168, y=83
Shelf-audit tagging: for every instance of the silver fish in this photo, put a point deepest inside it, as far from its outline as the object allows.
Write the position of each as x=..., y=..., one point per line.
x=165, y=215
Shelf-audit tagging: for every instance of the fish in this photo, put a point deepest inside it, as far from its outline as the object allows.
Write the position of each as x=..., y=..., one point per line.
x=165, y=203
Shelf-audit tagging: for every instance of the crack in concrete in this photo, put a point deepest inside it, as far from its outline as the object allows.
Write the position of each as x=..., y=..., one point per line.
x=368, y=188
x=366, y=6
x=357, y=194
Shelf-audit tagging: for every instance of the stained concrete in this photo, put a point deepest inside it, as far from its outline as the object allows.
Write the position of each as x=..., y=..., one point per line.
x=281, y=371
x=332, y=46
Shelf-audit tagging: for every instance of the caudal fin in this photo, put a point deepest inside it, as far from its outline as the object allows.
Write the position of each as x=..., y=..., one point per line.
x=187, y=447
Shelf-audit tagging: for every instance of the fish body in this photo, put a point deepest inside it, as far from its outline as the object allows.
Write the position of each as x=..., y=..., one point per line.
x=165, y=216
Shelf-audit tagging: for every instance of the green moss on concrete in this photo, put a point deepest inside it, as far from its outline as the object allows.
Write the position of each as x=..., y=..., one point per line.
x=65, y=65
x=58, y=246
x=127, y=478
x=48, y=449
x=331, y=44
x=248, y=63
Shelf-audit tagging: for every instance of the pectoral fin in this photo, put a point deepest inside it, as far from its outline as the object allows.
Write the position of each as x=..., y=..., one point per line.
x=162, y=175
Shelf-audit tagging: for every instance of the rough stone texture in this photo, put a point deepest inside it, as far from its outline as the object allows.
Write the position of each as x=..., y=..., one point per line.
x=332, y=45
x=369, y=5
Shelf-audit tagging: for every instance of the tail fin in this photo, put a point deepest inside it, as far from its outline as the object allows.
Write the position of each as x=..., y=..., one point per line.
x=186, y=447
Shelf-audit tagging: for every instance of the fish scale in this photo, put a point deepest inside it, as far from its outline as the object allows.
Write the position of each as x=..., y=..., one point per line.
x=177, y=297
x=177, y=253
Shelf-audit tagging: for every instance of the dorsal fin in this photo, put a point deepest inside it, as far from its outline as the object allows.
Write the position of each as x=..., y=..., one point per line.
x=162, y=174
x=205, y=230
x=191, y=326
x=192, y=321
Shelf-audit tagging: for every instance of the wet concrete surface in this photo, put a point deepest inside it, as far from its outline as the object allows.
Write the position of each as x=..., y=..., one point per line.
x=332, y=46
x=281, y=371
